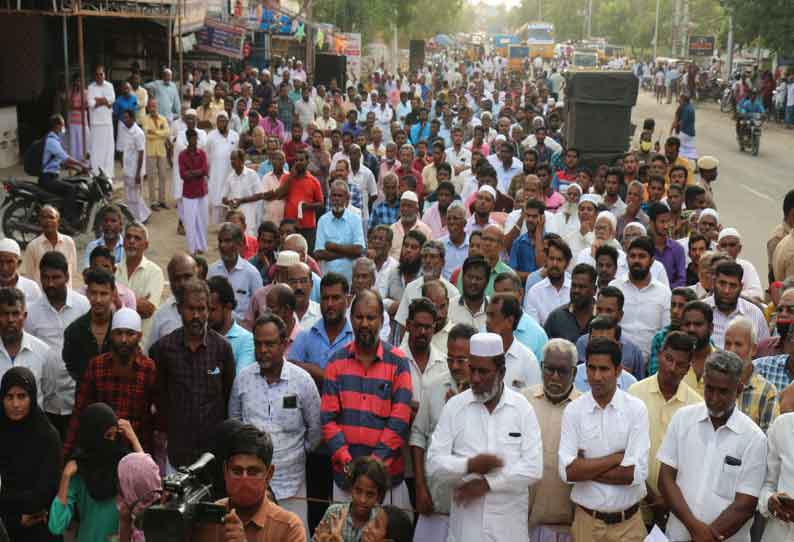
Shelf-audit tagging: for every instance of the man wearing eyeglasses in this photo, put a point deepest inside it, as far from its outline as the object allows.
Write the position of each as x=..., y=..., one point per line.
x=550, y=506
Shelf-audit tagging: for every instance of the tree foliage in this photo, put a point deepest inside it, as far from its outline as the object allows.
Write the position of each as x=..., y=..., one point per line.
x=770, y=20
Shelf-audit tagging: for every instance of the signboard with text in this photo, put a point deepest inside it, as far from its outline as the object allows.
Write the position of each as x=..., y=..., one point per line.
x=701, y=46
x=223, y=39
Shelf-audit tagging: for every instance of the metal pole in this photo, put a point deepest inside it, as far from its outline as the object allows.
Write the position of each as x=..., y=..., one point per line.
x=730, y=47
x=170, y=34
x=656, y=32
x=66, y=74
x=81, y=60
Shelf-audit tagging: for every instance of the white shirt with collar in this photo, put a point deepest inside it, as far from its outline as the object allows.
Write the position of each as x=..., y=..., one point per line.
x=598, y=432
x=459, y=313
x=100, y=115
x=311, y=315
x=134, y=141
x=701, y=456
x=34, y=354
x=436, y=368
x=543, y=298
x=743, y=308
x=28, y=287
x=505, y=175
x=645, y=311
x=511, y=431
x=382, y=276
x=244, y=278
x=48, y=324
x=165, y=320
x=521, y=367
x=413, y=290
x=779, y=474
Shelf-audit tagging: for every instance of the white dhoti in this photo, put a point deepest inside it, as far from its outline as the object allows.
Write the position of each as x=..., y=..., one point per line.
x=544, y=533
x=135, y=201
x=396, y=496
x=102, y=149
x=219, y=149
x=688, y=146
x=298, y=505
x=432, y=528
x=195, y=211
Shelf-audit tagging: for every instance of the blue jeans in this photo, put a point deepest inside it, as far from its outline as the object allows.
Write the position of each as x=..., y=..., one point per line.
x=790, y=115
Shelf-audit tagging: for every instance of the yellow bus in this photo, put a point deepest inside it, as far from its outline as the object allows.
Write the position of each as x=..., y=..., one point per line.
x=539, y=37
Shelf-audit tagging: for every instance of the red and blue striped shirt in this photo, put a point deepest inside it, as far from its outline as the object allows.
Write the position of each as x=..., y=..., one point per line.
x=367, y=411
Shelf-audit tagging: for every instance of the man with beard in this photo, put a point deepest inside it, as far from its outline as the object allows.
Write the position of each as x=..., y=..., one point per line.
x=409, y=220
x=730, y=241
x=603, y=452
x=379, y=240
x=432, y=260
x=784, y=318
x=112, y=224
x=726, y=299
x=526, y=254
x=456, y=242
x=667, y=251
x=571, y=320
x=486, y=445
x=433, y=497
x=364, y=279
x=697, y=457
x=505, y=165
x=195, y=371
x=470, y=306
x=522, y=368
x=221, y=319
x=280, y=398
x=340, y=238
x=646, y=299
x=10, y=264
x=679, y=297
x=633, y=213
x=564, y=177
x=47, y=319
x=554, y=290
x=551, y=510
x=243, y=276
x=664, y=393
x=220, y=143
x=181, y=268
x=406, y=272
x=483, y=206
x=697, y=321
x=612, y=200
x=375, y=423
x=583, y=236
x=123, y=378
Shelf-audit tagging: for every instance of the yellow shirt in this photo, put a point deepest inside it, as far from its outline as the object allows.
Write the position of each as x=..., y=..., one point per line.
x=147, y=282
x=660, y=412
x=41, y=245
x=691, y=380
x=157, y=131
x=690, y=175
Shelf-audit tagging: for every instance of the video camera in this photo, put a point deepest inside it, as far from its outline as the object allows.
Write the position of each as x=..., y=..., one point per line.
x=188, y=503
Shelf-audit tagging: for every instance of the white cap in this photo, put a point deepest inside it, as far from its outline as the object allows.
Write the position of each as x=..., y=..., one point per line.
x=287, y=258
x=575, y=185
x=709, y=212
x=708, y=162
x=638, y=225
x=409, y=195
x=223, y=114
x=590, y=198
x=11, y=246
x=126, y=318
x=609, y=216
x=486, y=345
x=729, y=232
x=190, y=112
x=488, y=189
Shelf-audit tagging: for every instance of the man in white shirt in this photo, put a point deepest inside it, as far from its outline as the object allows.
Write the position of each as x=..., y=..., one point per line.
x=425, y=362
x=243, y=182
x=773, y=501
x=99, y=99
x=603, y=452
x=181, y=268
x=730, y=242
x=506, y=165
x=554, y=290
x=48, y=317
x=728, y=304
x=521, y=366
x=713, y=461
x=457, y=156
x=487, y=444
x=384, y=115
x=362, y=177
x=647, y=301
x=10, y=262
x=134, y=168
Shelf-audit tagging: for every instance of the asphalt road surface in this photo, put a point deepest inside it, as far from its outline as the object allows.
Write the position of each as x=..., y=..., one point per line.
x=749, y=190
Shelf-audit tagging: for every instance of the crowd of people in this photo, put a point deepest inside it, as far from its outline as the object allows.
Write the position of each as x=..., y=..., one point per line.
x=429, y=321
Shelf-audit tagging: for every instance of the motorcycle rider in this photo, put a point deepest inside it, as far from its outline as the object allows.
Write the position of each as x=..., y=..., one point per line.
x=53, y=159
x=750, y=105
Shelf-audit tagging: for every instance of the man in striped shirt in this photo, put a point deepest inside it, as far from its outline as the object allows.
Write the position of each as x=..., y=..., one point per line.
x=366, y=402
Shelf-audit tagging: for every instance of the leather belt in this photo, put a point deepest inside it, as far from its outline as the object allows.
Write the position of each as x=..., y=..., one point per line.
x=611, y=518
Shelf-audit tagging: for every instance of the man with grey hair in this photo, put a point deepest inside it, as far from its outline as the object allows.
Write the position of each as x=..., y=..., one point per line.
x=758, y=397
x=141, y=275
x=551, y=509
x=432, y=255
x=364, y=179
x=456, y=242
x=340, y=237
x=243, y=276
x=713, y=460
x=364, y=272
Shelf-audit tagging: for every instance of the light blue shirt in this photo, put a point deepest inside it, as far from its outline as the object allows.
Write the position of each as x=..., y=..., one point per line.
x=625, y=380
x=345, y=230
x=167, y=98
x=532, y=335
x=118, y=250
x=313, y=346
x=242, y=342
x=289, y=411
x=244, y=278
x=53, y=154
x=315, y=295
x=454, y=255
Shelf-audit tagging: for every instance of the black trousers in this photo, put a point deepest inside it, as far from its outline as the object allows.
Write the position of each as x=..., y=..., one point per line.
x=65, y=189
x=61, y=423
x=319, y=482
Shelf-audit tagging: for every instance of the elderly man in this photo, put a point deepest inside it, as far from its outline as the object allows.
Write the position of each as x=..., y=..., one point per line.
x=433, y=497
x=664, y=393
x=486, y=444
x=139, y=274
x=711, y=478
x=112, y=224
x=730, y=241
x=50, y=239
x=220, y=143
x=758, y=397
x=181, y=268
x=340, y=238
x=550, y=508
x=409, y=220
x=10, y=262
x=99, y=100
x=243, y=276
x=167, y=95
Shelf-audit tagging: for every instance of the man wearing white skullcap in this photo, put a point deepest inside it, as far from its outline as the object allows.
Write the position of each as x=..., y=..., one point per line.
x=487, y=444
x=123, y=378
x=10, y=263
x=484, y=204
x=709, y=224
x=730, y=242
x=707, y=166
x=220, y=143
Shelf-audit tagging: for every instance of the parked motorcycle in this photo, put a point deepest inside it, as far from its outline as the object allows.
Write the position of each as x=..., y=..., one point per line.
x=19, y=210
x=727, y=101
x=749, y=135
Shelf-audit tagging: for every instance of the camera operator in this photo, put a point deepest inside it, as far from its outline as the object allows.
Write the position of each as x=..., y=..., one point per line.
x=252, y=516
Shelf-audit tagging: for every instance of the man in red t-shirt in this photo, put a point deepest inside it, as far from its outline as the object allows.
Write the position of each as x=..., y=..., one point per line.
x=193, y=168
x=295, y=144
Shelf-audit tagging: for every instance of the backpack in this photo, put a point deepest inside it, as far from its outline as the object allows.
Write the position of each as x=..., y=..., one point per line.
x=34, y=158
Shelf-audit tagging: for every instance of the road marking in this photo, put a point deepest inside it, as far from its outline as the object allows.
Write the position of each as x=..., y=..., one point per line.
x=756, y=192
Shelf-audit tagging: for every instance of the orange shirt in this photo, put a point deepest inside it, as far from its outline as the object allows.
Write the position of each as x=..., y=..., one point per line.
x=306, y=189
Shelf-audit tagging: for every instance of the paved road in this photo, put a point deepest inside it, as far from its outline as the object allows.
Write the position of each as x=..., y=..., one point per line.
x=750, y=189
